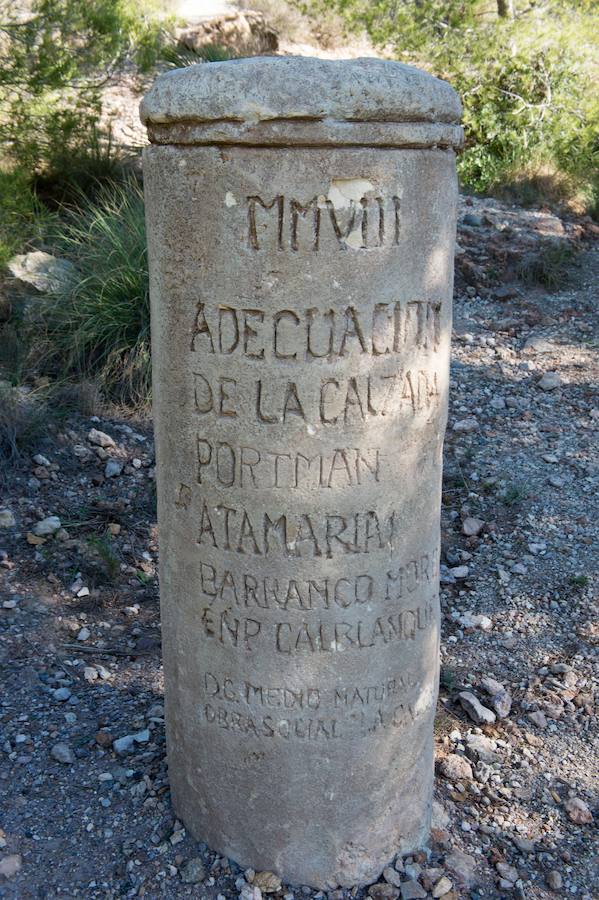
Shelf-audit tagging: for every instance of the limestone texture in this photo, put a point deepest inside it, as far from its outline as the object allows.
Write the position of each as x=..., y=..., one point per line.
x=301, y=316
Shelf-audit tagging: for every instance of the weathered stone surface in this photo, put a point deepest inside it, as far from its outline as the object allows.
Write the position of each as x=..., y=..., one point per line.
x=578, y=811
x=456, y=768
x=7, y=518
x=46, y=273
x=301, y=324
x=312, y=101
x=463, y=867
x=475, y=709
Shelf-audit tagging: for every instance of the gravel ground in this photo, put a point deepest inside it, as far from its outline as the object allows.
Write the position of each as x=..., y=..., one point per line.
x=84, y=800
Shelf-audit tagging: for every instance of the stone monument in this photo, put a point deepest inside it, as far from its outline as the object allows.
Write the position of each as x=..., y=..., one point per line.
x=301, y=221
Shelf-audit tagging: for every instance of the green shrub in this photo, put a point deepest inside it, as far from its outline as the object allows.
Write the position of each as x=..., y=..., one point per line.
x=549, y=265
x=23, y=419
x=528, y=86
x=179, y=57
x=75, y=171
x=22, y=217
x=98, y=325
x=515, y=493
x=407, y=26
x=54, y=58
x=527, y=122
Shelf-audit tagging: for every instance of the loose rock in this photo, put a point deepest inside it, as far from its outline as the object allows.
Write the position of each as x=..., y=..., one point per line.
x=507, y=872
x=463, y=866
x=47, y=526
x=554, y=880
x=480, y=747
x=113, y=468
x=383, y=891
x=193, y=871
x=472, y=527
x=268, y=882
x=550, y=381
x=100, y=438
x=474, y=708
x=7, y=518
x=456, y=768
x=578, y=811
x=10, y=865
x=123, y=745
x=466, y=425
x=392, y=876
x=62, y=694
x=46, y=273
x=500, y=698
x=412, y=890
x=442, y=887
x=62, y=753
x=468, y=620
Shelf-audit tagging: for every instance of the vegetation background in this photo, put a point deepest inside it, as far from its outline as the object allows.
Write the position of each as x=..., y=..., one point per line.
x=527, y=73
x=80, y=662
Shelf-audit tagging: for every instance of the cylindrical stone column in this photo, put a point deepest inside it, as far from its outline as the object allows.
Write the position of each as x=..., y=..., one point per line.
x=301, y=220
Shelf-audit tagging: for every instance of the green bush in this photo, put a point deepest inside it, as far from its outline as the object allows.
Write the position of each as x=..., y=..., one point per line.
x=179, y=57
x=23, y=419
x=54, y=58
x=22, y=217
x=528, y=86
x=528, y=123
x=549, y=265
x=98, y=325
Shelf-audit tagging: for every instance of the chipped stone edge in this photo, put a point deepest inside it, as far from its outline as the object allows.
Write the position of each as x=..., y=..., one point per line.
x=319, y=133
x=303, y=101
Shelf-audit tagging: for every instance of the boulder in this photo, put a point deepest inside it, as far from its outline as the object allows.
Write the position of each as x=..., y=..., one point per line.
x=246, y=33
x=46, y=273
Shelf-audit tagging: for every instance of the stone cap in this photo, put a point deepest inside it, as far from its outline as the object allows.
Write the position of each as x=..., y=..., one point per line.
x=302, y=100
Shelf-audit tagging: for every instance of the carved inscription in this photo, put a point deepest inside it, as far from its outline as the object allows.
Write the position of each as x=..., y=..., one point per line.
x=326, y=637
x=382, y=329
x=330, y=401
x=247, y=467
x=309, y=713
x=250, y=591
x=290, y=224
x=334, y=583
x=325, y=535
x=227, y=689
x=183, y=497
x=230, y=629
